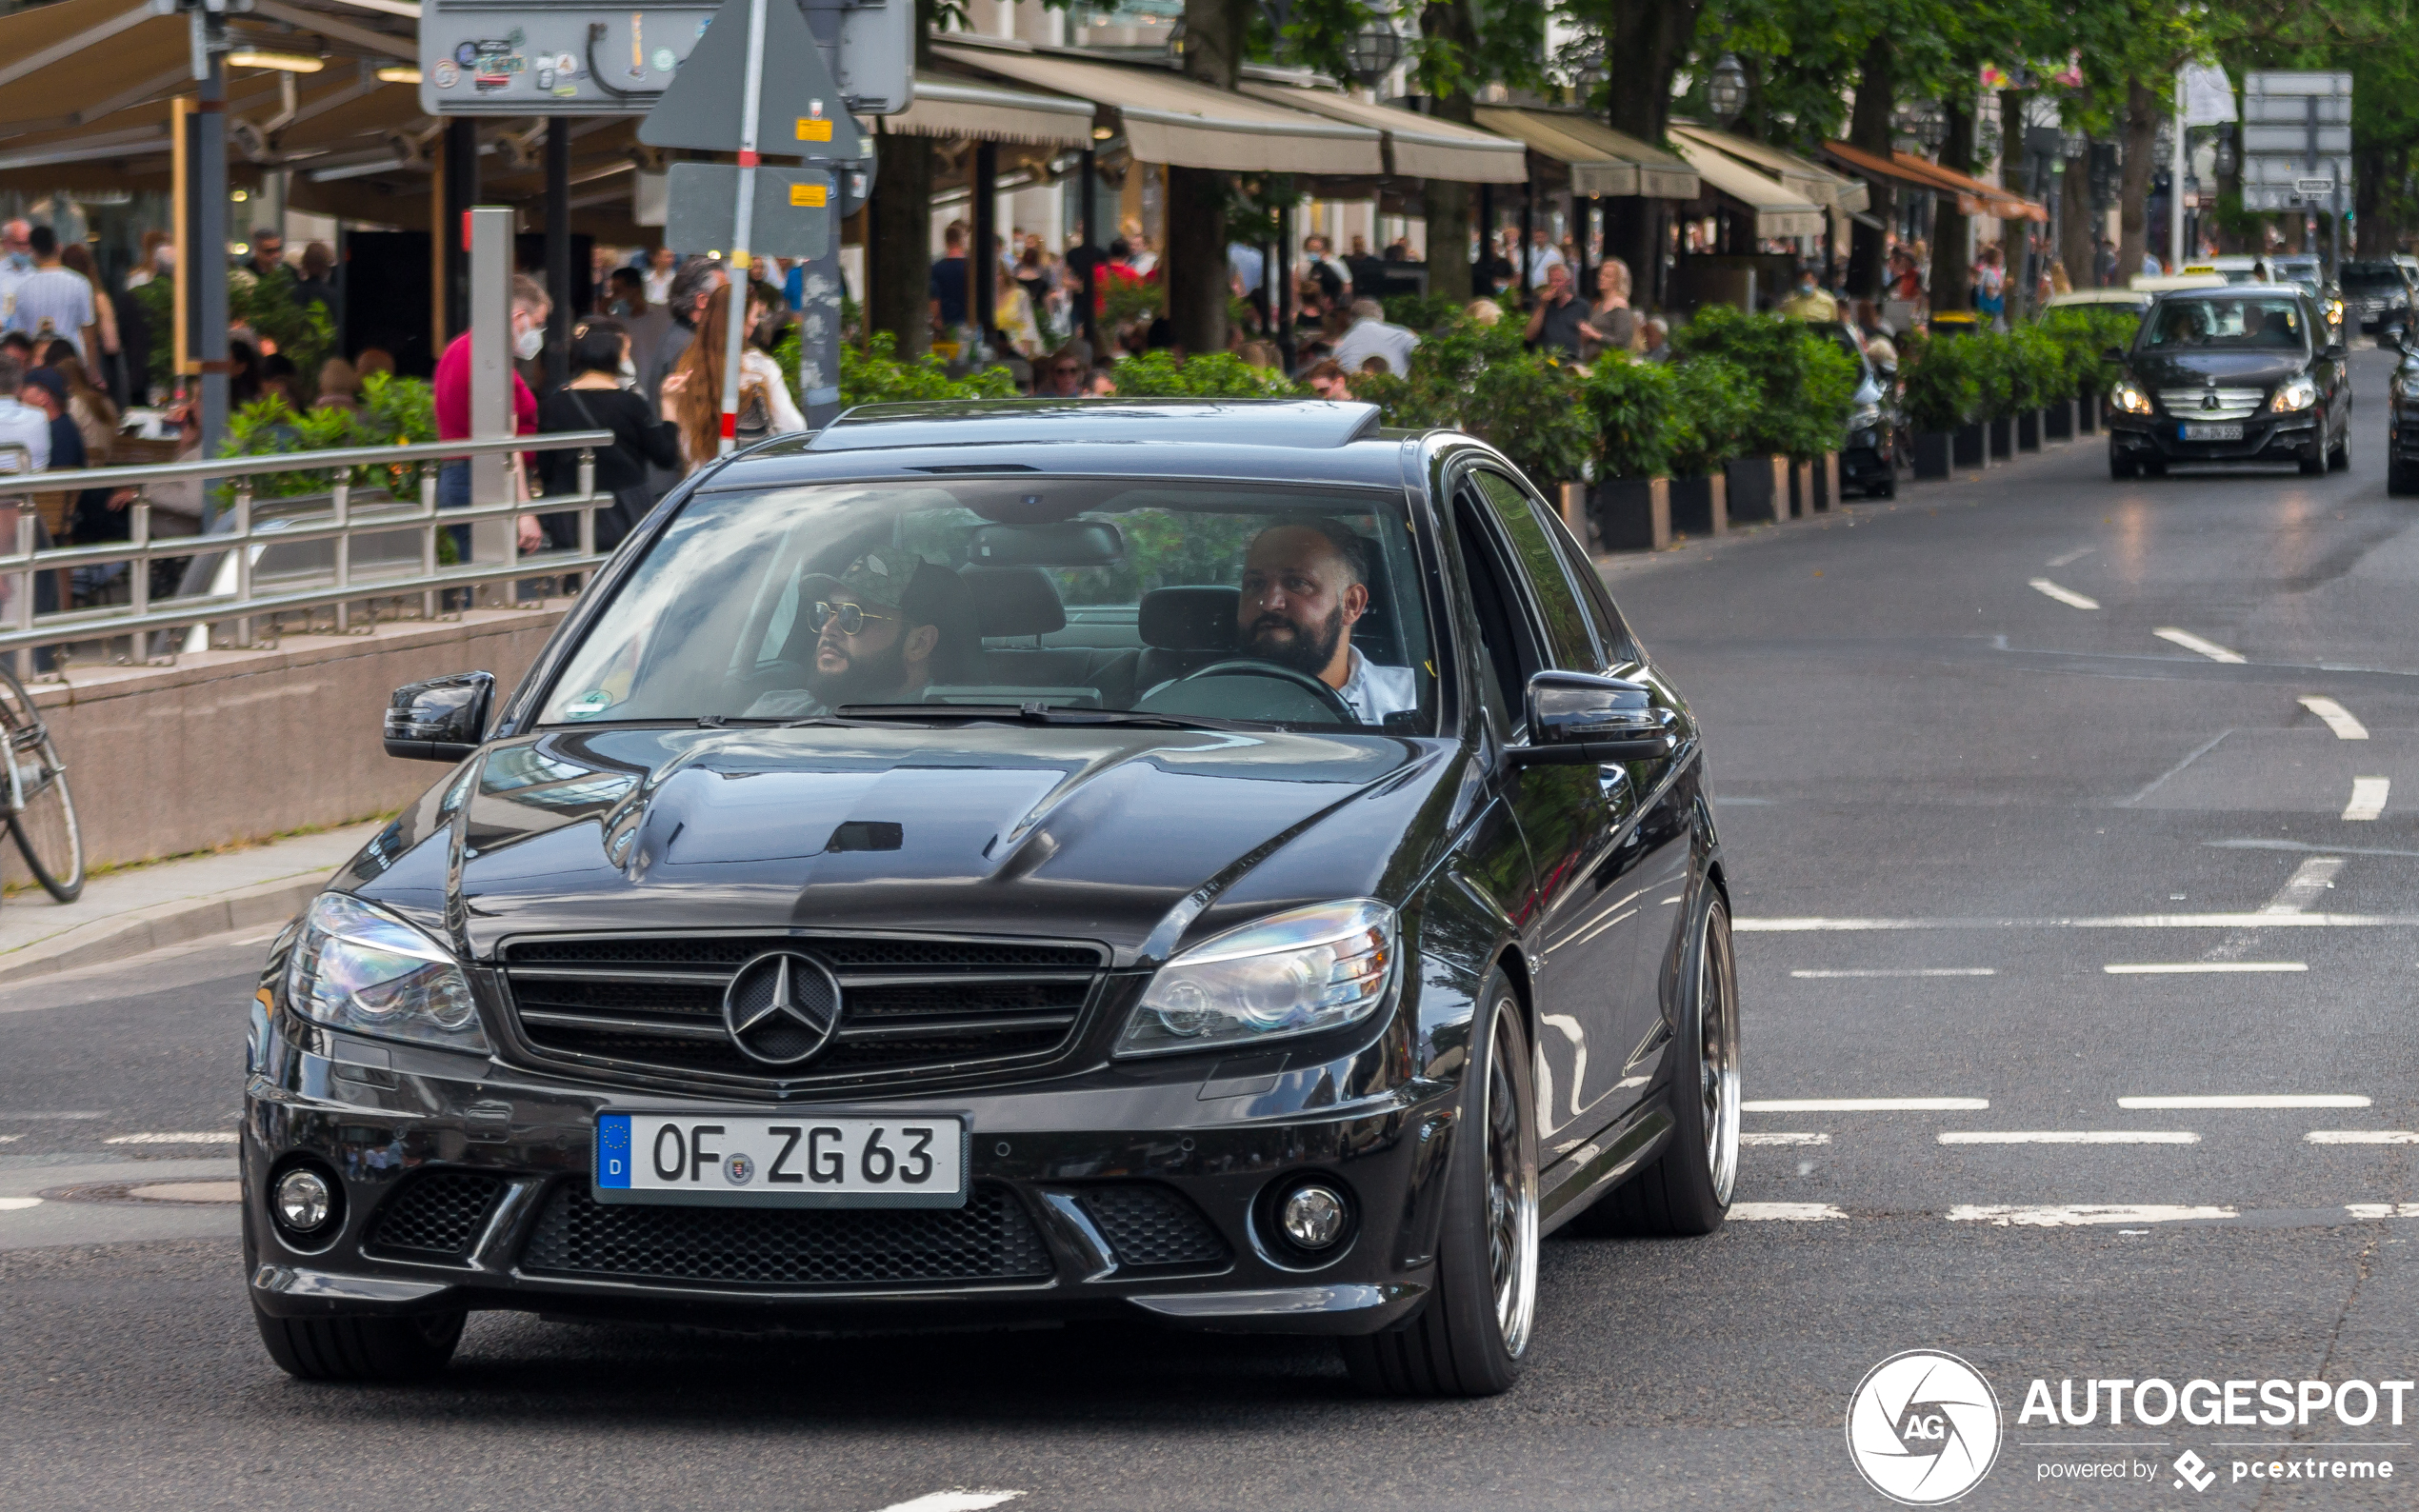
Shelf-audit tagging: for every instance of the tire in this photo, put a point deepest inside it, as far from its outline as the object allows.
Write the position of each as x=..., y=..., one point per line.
x=1468, y=1340
x=366, y=1349
x=45, y=829
x=1887, y=488
x=2399, y=481
x=1688, y=1189
x=2339, y=460
x=2314, y=465
x=2120, y=470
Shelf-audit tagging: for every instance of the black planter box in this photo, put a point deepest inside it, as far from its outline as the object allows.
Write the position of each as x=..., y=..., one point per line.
x=1692, y=506
x=1969, y=448
x=1624, y=511
x=1932, y=449
x=2057, y=422
x=2086, y=413
x=1751, y=493
x=2028, y=430
x=2003, y=439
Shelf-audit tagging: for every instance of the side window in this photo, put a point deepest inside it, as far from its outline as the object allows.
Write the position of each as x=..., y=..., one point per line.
x=1595, y=601
x=1507, y=654
x=1571, y=645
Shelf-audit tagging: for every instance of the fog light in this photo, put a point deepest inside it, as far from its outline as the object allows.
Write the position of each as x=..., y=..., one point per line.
x=1314, y=1217
x=304, y=1201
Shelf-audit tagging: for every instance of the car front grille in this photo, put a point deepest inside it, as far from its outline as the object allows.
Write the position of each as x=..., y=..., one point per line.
x=2232, y=404
x=990, y=1238
x=910, y=1007
x=1152, y=1227
x=435, y=1215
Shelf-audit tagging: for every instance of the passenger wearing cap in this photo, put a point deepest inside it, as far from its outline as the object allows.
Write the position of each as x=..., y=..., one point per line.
x=1304, y=587
x=883, y=634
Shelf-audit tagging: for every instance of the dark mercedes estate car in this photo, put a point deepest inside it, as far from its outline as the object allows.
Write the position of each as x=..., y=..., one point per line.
x=2249, y=372
x=1220, y=863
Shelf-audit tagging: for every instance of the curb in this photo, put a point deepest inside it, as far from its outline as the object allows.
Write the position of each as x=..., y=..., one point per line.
x=166, y=923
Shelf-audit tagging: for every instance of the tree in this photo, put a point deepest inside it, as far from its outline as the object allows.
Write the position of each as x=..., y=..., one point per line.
x=1645, y=42
x=1195, y=271
x=899, y=218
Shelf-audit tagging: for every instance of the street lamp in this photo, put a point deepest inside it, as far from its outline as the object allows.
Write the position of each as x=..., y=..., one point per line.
x=2225, y=156
x=2163, y=150
x=1927, y=123
x=2072, y=145
x=1725, y=91
x=1372, y=52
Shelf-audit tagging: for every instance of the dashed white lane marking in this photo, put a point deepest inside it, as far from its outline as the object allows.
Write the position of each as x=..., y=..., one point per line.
x=13, y=1204
x=2073, y=1215
x=189, y=1192
x=1793, y=1140
x=954, y=1502
x=2075, y=555
x=2068, y=1136
x=2244, y=1100
x=212, y=1136
x=1899, y=971
x=1784, y=1212
x=9, y=1139
x=2361, y=1136
x=2382, y=1209
x=2337, y=717
x=2179, y=969
x=2067, y=596
x=2121, y=921
x=2308, y=884
x=2193, y=643
x=1866, y=1104
x=2368, y=797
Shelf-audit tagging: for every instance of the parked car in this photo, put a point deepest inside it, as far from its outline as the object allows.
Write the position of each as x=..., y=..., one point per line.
x=1870, y=453
x=2378, y=296
x=2402, y=423
x=2246, y=373
x=1219, y=864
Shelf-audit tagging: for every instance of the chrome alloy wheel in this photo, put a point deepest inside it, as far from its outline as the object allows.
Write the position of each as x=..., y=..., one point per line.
x=1718, y=1053
x=1511, y=1199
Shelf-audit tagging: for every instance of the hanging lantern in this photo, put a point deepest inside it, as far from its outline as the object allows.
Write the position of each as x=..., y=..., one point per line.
x=1372, y=52
x=1726, y=90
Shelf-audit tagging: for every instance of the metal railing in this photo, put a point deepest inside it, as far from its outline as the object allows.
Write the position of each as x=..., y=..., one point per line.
x=342, y=523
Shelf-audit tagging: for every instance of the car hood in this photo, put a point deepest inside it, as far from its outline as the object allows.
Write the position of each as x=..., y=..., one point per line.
x=1099, y=833
x=2234, y=370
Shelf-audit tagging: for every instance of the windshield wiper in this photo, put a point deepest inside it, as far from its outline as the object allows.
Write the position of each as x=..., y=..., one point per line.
x=1031, y=713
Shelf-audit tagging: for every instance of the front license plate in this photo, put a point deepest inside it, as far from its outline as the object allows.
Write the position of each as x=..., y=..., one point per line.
x=2194, y=432
x=712, y=1160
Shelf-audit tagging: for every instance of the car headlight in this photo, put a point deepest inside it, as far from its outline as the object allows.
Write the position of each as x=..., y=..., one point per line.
x=2298, y=394
x=2129, y=399
x=1864, y=417
x=359, y=968
x=1292, y=973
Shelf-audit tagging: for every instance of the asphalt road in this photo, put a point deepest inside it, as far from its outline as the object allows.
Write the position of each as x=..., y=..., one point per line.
x=1953, y=802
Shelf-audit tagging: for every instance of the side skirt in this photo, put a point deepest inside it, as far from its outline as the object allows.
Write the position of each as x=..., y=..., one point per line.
x=1570, y=1183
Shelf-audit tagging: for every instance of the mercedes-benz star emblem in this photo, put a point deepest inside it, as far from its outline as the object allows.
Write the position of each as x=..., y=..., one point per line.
x=781, y=1007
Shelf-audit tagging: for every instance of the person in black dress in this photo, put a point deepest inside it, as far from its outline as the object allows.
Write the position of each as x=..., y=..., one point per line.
x=595, y=400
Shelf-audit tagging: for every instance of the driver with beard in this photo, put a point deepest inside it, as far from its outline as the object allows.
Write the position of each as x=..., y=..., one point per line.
x=884, y=636
x=1304, y=587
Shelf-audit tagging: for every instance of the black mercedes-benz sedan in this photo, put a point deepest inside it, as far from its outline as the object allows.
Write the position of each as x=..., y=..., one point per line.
x=2245, y=373
x=1221, y=864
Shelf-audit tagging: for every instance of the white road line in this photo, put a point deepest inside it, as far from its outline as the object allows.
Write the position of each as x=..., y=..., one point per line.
x=2066, y=596
x=2072, y=1216
x=2239, y=1099
x=1793, y=1140
x=2181, y=968
x=1866, y=1104
x=2121, y=921
x=1784, y=1212
x=13, y=1204
x=2075, y=555
x=1899, y=971
x=9, y=1139
x=2193, y=643
x=2308, y=884
x=2368, y=797
x=2382, y=1209
x=953, y=1502
x=32, y=1116
x=2361, y=1136
x=2337, y=717
x=214, y=1137
x=2068, y=1136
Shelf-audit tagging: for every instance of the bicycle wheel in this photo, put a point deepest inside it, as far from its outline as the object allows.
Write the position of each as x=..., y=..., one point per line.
x=42, y=813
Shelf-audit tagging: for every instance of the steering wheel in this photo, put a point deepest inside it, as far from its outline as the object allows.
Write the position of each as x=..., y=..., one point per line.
x=1244, y=666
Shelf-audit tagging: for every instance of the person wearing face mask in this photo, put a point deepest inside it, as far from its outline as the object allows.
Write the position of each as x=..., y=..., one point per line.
x=645, y=322
x=1809, y=302
x=451, y=395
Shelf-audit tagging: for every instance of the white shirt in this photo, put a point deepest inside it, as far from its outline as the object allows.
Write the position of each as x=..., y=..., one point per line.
x=659, y=284
x=1374, y=692
x=56, y=300
x=1541, y=258
x=21, y=424
x=1375, y=338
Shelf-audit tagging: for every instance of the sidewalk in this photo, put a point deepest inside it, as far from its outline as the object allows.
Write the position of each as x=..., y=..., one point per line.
x=125, y=913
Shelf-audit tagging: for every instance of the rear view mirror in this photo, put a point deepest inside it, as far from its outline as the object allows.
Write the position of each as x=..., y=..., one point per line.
x=441, y=719
x=1579, y=718
x=1065, y=543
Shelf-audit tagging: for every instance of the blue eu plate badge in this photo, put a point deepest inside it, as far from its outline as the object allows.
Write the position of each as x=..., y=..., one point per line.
x=612, y=1150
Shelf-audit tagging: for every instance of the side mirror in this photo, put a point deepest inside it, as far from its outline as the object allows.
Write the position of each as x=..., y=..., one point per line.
x=2115, y=354
x=1580, y=719
x=2335, y=351
x=441, y=719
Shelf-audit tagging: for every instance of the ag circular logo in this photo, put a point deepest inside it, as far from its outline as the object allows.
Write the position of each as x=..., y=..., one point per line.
x=1923, y=1427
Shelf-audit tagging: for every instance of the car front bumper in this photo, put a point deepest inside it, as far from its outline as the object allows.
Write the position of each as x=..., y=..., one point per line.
x=2265, y=438
x=1189, y=1167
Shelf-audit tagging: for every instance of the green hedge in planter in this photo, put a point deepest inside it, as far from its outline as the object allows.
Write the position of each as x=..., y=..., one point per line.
x=1804, y=386
x=2036, y=369
x=1633, y=404
x=2085, y=333
x=1211, y=375
x=1482, y=380
x=1713, y=402
x=1944, y=383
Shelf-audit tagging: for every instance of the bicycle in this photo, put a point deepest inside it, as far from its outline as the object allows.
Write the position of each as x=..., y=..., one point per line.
x=41, y=811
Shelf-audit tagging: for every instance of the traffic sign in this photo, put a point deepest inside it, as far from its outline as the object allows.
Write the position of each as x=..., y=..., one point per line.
x=2296, y=139
x=801, y=112
x=793, y=210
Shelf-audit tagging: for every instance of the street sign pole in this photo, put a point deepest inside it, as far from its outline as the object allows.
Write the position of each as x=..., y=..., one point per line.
x=2175, y=182
x=736, y=329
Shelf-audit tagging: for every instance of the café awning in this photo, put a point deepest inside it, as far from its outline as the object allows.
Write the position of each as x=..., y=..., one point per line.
x=1601, y=161
x=1825, y=187
x=1167, y=118
x=1974, y=197
x=952, y=105
x=1416, y=146
x=1779, y=210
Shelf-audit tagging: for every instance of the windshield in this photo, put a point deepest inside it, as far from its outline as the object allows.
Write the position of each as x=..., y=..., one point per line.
x=2372, y=276
x=2266, y=322
x=1048, y=599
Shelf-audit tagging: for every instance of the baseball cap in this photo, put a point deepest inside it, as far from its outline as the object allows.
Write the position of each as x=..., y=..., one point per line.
x=894, y=578
x=50, y=380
